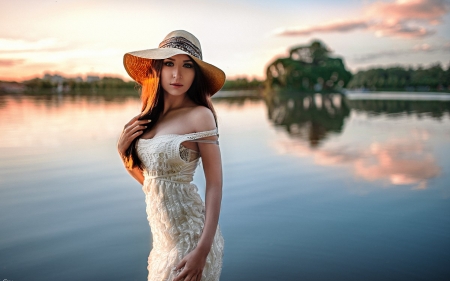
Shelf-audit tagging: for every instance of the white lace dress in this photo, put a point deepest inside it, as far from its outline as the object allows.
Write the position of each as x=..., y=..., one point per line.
x=175, y=211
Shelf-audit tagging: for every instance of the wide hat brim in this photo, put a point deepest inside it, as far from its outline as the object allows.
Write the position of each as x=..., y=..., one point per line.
x=137, y=64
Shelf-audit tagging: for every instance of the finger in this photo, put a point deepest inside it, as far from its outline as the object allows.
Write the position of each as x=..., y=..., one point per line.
x=180, y=265
x=130, y=126
x=189, y=277
x=145, y=120
x=132, y=120
x=138, y=127
x=133, y=136
x=179, y=276
x=125, y=142
x=199, y=276
x=195, y=276
x=179, y=271
x=137, y=123
x=131, y=130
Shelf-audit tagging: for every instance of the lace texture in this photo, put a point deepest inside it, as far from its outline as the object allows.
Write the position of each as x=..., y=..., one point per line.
x=175, y=210
x=188, y=154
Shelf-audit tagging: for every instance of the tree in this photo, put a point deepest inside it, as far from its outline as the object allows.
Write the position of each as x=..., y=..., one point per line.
x=308, y=68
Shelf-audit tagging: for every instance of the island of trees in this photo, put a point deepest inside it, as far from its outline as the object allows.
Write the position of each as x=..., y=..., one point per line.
x=308, y=68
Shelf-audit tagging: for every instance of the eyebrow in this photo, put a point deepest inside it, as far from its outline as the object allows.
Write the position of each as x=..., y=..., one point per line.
x=189, y=60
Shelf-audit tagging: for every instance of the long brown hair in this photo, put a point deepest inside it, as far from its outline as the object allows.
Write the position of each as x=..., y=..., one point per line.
x=152, y=97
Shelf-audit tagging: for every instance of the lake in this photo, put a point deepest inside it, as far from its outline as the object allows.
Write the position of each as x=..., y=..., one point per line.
x=316, y=187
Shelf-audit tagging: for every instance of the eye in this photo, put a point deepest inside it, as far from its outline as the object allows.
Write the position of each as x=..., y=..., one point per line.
x=168, y=63
x=188, y=65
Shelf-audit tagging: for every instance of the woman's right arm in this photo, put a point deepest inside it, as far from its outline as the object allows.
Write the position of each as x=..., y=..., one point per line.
x=131, y=130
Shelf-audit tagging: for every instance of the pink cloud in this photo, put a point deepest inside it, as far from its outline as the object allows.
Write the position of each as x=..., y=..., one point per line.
x=430, y=11
x=10, y=62
x=401, y=18
x=341, y=26
x=423, y=48
x=400, y=29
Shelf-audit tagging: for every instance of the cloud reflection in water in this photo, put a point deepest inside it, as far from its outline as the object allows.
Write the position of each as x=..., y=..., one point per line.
x=311, y=119
x=398, y=162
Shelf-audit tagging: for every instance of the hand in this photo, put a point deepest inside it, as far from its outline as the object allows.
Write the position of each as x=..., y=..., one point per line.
x=191, y=267
x=131, y=130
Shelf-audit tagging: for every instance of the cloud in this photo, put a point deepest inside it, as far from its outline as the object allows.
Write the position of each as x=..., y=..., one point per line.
x=401, y=18
x=10, y=62
x=19, y=58
x=340, y=26
x=381, y=54
x=399, y=29
x=430, y=11
x=423, y=48
x=420, y=48
x=11, y=46
x=53, y=48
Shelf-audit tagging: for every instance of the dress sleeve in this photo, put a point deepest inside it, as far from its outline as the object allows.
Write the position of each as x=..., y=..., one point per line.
x=197, y=137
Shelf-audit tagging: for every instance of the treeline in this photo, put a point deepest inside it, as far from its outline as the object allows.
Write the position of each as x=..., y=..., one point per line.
x=433, y=78
x=242, y=84
x=105, y=84
x=68, y=85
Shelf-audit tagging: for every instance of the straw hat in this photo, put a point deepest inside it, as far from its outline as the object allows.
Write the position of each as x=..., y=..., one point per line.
x=176, y=42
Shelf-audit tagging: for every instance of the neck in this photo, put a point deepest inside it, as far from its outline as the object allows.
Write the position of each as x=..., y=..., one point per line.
x=174, y=102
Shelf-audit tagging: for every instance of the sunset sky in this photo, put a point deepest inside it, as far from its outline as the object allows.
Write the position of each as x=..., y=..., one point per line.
x=75, y=38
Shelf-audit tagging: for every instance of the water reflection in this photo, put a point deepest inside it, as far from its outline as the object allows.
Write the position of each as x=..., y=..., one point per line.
x=294, y=178
x=379, y=153
x=397, y=162
x=238, y=98
x=53, y=120
x=308, y=116
x=435, y=109
x=308, y=119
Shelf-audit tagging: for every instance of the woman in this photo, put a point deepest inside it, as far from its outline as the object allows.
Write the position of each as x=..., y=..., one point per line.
x=161, y=148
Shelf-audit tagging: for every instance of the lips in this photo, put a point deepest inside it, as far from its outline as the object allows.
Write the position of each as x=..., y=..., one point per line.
x=176, y=84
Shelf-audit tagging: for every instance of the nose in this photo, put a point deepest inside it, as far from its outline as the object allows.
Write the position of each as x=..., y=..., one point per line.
x=177, y=72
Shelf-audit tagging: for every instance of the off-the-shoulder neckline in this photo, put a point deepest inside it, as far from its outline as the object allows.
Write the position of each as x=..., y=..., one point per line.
x=165, y=135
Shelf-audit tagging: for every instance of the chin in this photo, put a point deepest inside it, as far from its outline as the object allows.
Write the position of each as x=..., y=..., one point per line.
x=177, y=93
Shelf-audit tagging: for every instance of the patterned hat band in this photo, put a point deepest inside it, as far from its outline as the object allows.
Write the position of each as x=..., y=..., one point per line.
x=183, y=44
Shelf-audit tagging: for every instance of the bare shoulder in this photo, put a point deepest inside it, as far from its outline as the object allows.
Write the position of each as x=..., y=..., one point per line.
x=200, y=111
x=202, y=118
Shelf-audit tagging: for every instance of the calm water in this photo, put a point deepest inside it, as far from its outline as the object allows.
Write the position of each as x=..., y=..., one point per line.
x=316, y=187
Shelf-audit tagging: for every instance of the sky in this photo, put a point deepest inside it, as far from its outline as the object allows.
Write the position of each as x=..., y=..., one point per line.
x=79, y=38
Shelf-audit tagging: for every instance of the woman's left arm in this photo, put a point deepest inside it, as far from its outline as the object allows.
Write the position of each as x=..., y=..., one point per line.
x=212, y=166
x=193, y=263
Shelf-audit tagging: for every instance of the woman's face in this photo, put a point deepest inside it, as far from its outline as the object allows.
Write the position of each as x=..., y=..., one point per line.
x=177, y=74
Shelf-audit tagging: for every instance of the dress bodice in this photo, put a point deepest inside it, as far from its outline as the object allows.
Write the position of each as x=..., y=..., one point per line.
x=164, y=157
